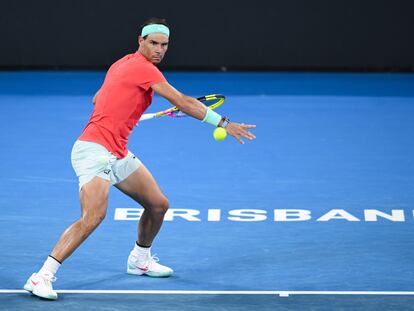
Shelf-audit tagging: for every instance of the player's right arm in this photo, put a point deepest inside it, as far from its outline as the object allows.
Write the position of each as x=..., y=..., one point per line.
x=191, y=106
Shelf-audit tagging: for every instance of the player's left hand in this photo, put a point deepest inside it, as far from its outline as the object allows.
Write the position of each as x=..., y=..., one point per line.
x=238, y=130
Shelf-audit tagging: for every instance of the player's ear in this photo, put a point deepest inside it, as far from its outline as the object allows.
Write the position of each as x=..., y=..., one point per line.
x=140, y=40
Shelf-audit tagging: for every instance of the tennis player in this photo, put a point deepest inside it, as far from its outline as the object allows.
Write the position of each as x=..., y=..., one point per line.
x=100, y=156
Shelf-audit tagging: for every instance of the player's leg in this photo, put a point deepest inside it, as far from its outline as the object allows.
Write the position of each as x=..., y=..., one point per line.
x=141, y=186
x=91, y=162
x=94, y=203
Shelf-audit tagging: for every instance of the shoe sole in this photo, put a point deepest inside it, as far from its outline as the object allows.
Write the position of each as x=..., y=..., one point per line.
x=149, y=273
x=43, y=296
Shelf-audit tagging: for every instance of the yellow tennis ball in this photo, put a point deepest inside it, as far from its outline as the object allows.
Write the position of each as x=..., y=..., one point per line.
x=220, y=133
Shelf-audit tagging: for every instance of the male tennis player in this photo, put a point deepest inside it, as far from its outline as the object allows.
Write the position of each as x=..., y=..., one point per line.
x=100, y=156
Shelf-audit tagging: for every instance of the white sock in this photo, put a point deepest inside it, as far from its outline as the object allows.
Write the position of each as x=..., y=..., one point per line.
x=142, y=253
x=50, y=266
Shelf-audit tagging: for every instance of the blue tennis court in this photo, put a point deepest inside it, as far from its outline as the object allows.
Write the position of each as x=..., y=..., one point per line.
x=315, y=214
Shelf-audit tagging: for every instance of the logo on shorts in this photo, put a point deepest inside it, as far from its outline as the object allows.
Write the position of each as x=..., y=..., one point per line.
x=107, y=171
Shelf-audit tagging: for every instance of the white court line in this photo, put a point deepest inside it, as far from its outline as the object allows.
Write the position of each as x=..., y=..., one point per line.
x=217, y=292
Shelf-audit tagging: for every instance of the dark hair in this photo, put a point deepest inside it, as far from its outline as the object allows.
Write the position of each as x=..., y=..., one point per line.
x=154, y=20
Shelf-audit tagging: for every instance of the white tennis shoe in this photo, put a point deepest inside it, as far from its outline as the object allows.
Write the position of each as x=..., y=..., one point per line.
x=41, y=286
x=148, y=266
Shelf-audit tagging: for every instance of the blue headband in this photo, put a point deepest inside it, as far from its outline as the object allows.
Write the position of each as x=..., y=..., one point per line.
x=155, y=28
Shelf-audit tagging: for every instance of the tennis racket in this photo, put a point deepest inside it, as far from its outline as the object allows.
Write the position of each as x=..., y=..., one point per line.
x=211, y=101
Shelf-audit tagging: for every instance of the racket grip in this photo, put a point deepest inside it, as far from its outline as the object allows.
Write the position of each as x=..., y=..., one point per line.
x=147, y=116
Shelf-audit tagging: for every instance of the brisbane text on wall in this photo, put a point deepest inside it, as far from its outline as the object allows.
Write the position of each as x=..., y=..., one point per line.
x=277, y=215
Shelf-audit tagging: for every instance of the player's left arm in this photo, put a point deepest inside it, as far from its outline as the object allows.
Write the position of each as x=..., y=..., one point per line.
x=191, y=106
x=186, y=104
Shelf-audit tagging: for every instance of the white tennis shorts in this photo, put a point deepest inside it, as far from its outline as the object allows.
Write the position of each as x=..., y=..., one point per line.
x=91, y=159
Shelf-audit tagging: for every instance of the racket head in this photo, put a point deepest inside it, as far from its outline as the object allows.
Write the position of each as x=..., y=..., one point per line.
x=212, y=101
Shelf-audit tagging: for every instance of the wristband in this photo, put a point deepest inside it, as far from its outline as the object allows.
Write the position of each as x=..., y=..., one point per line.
x=212, y=117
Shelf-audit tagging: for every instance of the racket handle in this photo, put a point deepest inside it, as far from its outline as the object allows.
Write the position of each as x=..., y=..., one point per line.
x=147, y=116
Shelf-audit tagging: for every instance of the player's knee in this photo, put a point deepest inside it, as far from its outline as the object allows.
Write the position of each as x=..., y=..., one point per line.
x=91, y=221
x=165, y=205
x=162, y=205
x=99, y=217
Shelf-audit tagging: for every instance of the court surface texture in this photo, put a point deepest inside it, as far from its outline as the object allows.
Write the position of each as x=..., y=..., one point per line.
x=315, y=214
